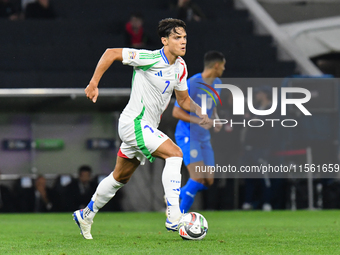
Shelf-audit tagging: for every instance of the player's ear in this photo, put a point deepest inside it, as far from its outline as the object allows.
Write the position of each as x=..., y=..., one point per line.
x=165, y=41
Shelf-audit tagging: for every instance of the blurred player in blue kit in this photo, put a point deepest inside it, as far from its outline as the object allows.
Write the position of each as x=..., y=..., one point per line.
x=193, y=138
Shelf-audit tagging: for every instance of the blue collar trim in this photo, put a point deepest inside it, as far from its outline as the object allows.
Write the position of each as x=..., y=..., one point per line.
x=163, y=56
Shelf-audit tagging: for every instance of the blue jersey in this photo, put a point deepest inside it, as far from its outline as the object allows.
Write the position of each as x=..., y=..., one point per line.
x=195, y=90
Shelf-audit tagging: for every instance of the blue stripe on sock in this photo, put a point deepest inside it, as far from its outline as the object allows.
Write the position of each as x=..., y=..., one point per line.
x=90, y=205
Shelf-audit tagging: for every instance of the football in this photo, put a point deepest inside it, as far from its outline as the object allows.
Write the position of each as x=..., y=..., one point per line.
x=192, y=226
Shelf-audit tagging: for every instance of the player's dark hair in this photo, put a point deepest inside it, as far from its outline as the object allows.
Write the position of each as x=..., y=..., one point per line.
x=166, y=26
x=211, y=57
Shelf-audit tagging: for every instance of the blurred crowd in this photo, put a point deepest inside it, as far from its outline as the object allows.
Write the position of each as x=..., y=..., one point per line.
x=65, y=194
x=187, y=10
x=26, y=9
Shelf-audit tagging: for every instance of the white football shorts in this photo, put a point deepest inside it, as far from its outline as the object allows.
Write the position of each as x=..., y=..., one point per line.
x=139, y=139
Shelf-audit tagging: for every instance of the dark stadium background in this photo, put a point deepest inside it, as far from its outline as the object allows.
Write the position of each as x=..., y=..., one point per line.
x=62, y=54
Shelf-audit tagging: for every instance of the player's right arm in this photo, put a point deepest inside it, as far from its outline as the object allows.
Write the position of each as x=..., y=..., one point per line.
x=186, y=103
x=109, y=56
x=180, y=114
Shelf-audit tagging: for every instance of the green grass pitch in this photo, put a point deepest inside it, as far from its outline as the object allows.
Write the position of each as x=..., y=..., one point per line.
x=230, y=232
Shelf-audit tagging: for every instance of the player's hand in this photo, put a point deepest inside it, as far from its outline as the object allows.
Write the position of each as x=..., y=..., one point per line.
x=92, y=92
x=205, y=122
x=204, y=118
x=207, y=125
x=217, y=128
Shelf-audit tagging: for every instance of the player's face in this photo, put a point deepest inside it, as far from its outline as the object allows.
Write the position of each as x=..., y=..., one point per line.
x=177, y=42
x=220, y=67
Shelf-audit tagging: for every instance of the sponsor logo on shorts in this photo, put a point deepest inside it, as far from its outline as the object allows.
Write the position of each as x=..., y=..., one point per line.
x=194, y=153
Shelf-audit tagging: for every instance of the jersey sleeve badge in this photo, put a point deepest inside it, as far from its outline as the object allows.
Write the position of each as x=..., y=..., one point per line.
x=132, y=54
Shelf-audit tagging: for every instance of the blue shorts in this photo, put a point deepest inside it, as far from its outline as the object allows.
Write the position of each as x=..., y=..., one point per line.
x=195, y=151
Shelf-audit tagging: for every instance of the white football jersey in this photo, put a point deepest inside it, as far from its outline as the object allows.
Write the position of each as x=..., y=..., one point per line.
x=153, y=82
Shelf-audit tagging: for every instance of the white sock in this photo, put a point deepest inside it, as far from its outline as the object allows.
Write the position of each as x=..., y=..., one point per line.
x=171, y=179
x=106, y=190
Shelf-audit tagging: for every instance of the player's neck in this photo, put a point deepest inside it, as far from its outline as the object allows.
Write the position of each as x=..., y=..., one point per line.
x=171, y=58
x=208, y=75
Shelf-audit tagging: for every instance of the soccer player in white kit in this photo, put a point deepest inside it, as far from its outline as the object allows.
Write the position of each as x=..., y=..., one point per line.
x=155, y=75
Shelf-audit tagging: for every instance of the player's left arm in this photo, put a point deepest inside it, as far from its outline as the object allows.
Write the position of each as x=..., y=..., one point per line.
x=217, y=127
x=186, y=103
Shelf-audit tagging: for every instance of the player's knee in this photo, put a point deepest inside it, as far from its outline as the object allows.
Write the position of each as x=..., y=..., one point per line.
x=176, y=152
x=179, y=153
x=122, y=179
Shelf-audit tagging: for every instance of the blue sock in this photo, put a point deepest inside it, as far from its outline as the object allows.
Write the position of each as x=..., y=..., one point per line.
x=188, y=193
